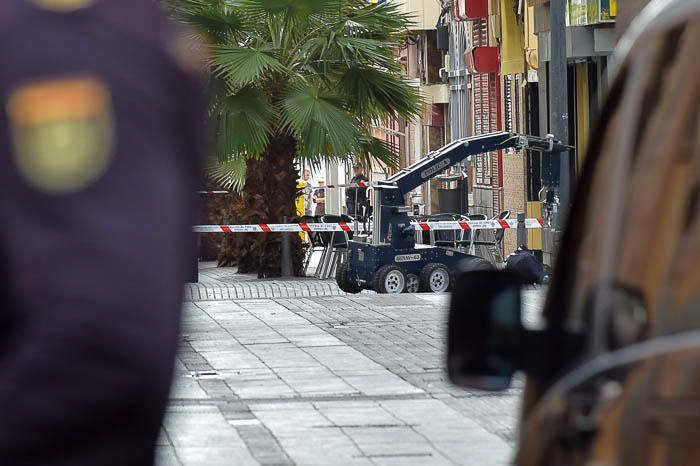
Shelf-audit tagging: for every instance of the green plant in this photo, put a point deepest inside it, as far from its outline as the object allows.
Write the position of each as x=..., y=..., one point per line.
x=295, y=80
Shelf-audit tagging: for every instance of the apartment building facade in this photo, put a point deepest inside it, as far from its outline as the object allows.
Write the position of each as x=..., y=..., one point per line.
x=483, y=66
x=499, y=71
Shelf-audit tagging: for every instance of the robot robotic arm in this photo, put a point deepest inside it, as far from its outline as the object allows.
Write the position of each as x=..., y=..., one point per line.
x=391, y=222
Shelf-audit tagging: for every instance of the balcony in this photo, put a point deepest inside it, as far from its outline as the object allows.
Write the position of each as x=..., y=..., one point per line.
x=425, y=13
x=436, y=93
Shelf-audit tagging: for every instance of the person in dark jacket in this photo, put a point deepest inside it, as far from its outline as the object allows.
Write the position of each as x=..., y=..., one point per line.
x=99, y=146
x=356, y=197
x=320, y=199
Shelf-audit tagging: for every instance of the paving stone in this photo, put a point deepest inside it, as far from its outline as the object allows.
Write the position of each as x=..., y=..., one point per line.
x=352, y=415
x=386, y=436
x=232, y=359
x=374, y=384
x=188, y=388
x=305, y=375
x=282, y=406
x=223, y=283
x=215, y=388
x=215, y=456
x=414, y=460
x=283, y=355
x=264, y=446
x=476, y=451
x=419, y=448
x=225, y=342
x=272, y=388
x=328, y=451
x=201, y=430
x=407, y=340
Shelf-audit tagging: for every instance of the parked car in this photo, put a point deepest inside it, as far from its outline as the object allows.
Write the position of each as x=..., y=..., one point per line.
x=613, y=371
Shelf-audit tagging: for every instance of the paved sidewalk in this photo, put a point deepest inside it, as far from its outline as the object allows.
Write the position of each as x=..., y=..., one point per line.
x=326, y=380
x=219, y=284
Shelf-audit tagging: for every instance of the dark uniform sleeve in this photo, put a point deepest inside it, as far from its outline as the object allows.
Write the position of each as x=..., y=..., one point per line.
x=99, y=158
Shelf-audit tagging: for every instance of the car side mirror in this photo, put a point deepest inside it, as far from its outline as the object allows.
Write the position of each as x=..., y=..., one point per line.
x=486, y=335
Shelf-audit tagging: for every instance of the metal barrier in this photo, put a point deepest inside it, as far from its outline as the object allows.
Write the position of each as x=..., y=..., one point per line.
x=331, y=248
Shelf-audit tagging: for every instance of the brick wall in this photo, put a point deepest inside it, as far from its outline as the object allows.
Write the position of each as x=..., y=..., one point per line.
x=513, y=193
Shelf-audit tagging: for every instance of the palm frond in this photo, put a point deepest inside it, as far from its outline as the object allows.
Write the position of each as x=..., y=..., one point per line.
x=244, y=123
x=243, y=65
x=230, y=174
x=318, y=70
x=380, y=21
x=372, y=148
x=334, y=48
x=377, y=94
x=306, y=107
x=314, y=146
x=290, y=10
x=212, y=19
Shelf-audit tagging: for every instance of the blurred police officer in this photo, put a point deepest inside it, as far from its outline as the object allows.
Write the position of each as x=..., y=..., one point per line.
x=98, y=164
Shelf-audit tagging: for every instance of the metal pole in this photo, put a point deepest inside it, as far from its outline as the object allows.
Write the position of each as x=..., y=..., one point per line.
x=286, y=253
x=555, y=166
x=522, y=231
x=334, y=202
x=559, y=107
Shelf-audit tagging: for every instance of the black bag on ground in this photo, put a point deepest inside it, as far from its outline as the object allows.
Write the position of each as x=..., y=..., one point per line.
x=528, y=268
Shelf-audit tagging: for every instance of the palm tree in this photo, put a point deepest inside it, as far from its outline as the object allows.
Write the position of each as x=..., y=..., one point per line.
x=295, y=80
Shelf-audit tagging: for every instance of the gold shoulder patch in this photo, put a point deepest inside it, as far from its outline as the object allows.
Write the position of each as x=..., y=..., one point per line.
x=63, y=6
x=62, y=132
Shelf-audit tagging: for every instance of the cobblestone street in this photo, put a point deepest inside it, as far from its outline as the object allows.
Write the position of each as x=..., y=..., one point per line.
x=296, y=372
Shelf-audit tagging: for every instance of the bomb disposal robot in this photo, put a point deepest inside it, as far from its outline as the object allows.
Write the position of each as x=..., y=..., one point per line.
x=392, y=262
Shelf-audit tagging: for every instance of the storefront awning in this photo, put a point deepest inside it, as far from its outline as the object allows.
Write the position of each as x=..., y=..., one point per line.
x=512, y=53
x=482, y=60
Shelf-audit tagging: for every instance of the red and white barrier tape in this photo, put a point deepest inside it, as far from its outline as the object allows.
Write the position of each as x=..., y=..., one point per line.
x=273, y=228
x=530, y=223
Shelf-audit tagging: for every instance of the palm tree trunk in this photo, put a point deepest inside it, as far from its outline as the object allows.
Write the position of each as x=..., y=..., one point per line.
x=269, y=196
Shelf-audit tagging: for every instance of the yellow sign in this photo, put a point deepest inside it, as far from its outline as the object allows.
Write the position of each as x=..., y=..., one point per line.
x=512, y=57
x=62, y=132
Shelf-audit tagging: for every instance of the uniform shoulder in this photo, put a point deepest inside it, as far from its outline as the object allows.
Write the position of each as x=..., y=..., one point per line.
x=150, y=22
x=146, y=18
x=8, y=11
